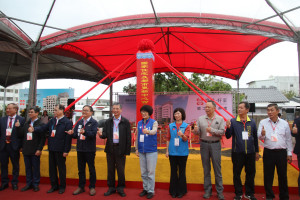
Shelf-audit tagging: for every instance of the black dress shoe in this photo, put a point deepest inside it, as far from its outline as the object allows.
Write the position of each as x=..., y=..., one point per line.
x=27, y=187
x=180, y=195
x=3, y=187
x=150, y=195
x=122, y=193
x=52, y=189
x=15, y=187
x=109, y=192
x=143, y=193
x=173, y=195
x=36, y=188
x=61, y=191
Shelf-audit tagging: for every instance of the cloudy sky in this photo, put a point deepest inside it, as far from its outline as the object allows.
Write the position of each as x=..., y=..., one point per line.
x=277, y=60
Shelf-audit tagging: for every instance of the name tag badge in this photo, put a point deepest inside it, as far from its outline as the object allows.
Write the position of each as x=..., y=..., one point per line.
x=82, y=137
x=53, y=133
x=116, y=135
x=78, y=132
x=29, y=136
x=274, y=138
x=176, y=142
x=8, y=131
x=142, y=137
x=208, y=134
x=79, y=126
x=245, y=135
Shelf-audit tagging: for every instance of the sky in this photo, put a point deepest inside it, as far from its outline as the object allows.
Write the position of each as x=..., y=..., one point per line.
x=280, y=59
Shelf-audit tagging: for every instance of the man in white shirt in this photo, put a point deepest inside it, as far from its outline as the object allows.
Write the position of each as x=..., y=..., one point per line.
x=278, y=146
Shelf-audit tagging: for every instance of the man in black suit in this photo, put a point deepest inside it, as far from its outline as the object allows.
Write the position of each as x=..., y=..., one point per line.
x=85, y=132
x=296, y=134
x=32, y=147
x=59, y=145
x=118, y=145
x=10, y=145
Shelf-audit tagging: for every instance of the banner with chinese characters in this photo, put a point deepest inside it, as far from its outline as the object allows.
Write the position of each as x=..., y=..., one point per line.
x=144, y=82
x=193, y=105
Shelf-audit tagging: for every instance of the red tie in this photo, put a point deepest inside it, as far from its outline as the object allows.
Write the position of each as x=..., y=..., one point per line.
x=8, y=139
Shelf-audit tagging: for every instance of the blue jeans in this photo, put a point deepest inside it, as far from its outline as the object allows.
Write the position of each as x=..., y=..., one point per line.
x=148, y=165
x=32, y=167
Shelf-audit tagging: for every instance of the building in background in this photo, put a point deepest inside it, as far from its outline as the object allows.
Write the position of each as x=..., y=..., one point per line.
x=12, y=94
x=281, y=83
x=47, y=98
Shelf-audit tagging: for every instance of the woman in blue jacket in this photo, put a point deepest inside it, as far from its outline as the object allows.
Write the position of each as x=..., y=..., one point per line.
x=146, y=150
x=177, y=152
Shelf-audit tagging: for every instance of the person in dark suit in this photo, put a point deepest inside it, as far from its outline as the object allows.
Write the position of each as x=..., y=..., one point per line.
x=296, y=134
x=118, y=145
x=59, y=145
x=32, y=147
x=10, y=145
x=85, y=132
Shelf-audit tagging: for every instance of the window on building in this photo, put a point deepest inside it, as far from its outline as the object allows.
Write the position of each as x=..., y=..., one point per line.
x=263, y=86
x=17, y=99
x=9, y=98
x=16, y=91
x=1, y=90
x=291, y=85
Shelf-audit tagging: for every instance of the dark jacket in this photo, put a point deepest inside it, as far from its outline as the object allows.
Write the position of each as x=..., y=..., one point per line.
x=29, y=147
x=16, y=142
x=90, y=132
x=238, y=144
x=124, y=136
x=297, y=136
x=61, y=142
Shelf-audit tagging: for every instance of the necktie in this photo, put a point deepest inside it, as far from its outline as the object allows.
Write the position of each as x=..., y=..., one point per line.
x=8, y=138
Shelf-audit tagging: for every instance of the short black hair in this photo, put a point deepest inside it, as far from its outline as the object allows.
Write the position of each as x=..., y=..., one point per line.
x=247, y=105
x=212, y=102
x=181, y=110
x=147, y=109
x=61, y=107
x=117, y=104
x=90, y=107
x=35, y=109
x=273, y=104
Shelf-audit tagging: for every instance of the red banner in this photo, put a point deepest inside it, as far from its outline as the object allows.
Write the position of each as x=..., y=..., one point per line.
x=144, y=82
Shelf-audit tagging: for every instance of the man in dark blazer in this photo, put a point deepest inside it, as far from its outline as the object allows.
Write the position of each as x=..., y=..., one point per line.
x=296, y=134
x=10, y=145
x=32, y=147
x=85, y=132
x=59, y=145
x=118, y=134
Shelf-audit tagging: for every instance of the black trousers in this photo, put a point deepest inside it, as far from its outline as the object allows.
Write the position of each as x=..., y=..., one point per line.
x=239, y=161
x=275, y=158
x=84, y=158
x=178, y=176
x=57, y=161
x=115, y=161
x=14, y=156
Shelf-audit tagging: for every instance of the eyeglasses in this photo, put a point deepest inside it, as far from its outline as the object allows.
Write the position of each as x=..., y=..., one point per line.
x=85, y=111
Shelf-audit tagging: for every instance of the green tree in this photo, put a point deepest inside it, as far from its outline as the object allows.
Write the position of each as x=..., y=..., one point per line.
x=289, y=94
x=169, y=82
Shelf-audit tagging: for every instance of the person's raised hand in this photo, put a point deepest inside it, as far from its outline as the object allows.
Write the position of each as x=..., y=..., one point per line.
x=99, y=132
x=263, y=131
x=70, y=132
x=30, y=129
x=17, y=124
x=228, y=123
x=295, y=129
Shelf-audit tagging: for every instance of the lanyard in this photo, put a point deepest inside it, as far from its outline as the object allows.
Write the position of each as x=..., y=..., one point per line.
x=145, y=125
x=116, y=125
x=211, y=121
x=274, y=127
x=244, y=122
x=54, y=127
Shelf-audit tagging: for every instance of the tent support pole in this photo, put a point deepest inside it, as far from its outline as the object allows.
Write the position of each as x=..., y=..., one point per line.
x=110, y=100
x=33, y=81
x=298, y=45
x=4, y=102
x=238, y=94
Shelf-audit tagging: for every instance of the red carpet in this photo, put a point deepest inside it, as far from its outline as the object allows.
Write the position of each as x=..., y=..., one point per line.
x=132, y=193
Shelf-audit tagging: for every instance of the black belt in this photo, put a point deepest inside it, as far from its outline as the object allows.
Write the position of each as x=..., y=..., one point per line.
x=116, y=144
x=208, y=141
x=275, y=149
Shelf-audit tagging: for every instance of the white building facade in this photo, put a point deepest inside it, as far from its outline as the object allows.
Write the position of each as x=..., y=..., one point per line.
x=282, y=83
